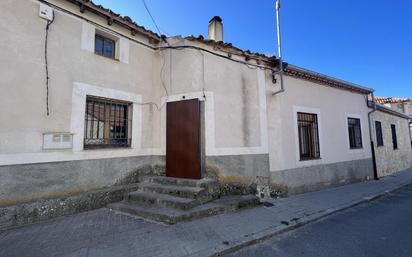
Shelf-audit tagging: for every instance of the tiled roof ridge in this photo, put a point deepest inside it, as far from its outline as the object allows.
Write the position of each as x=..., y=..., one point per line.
x=385, y=100
x=113, y=16
x=269, y=60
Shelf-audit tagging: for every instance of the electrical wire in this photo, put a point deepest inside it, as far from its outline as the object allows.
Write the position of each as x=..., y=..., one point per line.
x=153, y=20
x=247, y=64
x=49, y=22
x=250, y=65
x=200, y=49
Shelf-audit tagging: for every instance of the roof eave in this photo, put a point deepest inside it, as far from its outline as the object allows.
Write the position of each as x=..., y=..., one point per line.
x=296, y=71
x=111, y=17
x=391, y=111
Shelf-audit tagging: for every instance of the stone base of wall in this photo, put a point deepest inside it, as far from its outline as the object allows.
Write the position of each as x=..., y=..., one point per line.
x=307, y=179
x=26, y=213
x=240, y=174
x=35, y=192
x=32, y=182
x=252, y=165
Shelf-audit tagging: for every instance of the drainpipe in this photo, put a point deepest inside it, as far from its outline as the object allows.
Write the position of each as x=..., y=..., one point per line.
x=282, y=89
x=410, y=130
x=375, y=170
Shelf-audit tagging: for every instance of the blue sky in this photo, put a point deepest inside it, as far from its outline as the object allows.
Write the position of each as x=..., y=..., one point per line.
x=368, y=42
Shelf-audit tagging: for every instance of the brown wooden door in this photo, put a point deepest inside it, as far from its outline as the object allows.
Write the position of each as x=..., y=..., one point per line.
x=183, y=139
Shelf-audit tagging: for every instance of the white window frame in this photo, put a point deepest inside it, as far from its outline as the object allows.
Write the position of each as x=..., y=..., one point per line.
x=305, y=163
x=355, y=116
x=81, y=91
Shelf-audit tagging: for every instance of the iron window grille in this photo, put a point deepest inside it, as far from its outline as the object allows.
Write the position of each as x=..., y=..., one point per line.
x=308, y=136
x=104, y=46
x=379, y=135
x=355, y=133
x=394, y=137
x=107, y=123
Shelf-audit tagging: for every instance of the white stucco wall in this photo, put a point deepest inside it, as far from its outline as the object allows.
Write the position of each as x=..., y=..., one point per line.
x=136, y=72
x=236, y=121
x=388, y=159
x=333, y=107
x=235, y=101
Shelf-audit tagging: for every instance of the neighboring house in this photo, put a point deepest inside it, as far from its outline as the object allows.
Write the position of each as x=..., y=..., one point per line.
x=123, y=100
x=390, y=130
x=403, y=105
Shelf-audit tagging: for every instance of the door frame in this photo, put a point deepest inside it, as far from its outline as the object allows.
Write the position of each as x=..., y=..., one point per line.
x=202, y=135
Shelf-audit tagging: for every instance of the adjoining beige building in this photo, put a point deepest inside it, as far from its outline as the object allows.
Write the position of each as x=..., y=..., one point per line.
x=390, y=130
x=116, y=94
x=403, y=105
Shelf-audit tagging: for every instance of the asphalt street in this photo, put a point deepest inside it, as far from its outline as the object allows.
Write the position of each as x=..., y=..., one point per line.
x=381, y=228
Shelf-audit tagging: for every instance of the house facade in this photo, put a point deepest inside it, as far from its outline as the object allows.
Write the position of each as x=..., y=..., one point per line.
x=94, y=100
x=403, y=105
x=392, y=140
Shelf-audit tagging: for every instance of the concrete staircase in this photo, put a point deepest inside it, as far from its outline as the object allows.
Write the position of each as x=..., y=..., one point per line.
x=172, y=200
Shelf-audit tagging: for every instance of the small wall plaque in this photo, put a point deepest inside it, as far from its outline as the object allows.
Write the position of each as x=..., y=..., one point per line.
x=59, y=140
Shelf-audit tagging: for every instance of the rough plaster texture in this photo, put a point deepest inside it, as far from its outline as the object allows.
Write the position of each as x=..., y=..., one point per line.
x=252, y=166
x=26, y=213
x=389, y=160
x=306, y=179
x=29, y=182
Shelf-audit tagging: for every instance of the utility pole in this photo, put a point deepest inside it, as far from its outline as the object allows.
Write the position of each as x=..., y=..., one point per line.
x=282, y=89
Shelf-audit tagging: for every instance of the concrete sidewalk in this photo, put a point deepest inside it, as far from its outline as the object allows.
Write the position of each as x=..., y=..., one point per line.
x=106, y=233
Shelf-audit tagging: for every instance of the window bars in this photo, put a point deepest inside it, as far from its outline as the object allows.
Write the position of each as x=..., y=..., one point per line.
x=379, y=135
x=107, y=123
x=308, y=136
x=355, y=133
x=394, y=137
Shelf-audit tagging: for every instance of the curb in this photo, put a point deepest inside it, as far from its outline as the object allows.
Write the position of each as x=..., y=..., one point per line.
x=310, y=219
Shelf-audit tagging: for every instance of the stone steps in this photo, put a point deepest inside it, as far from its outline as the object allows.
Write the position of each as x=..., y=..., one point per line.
x=173, y=216
x=205, y=183
x=180, y=191
x=163, y=200
x=172, y=200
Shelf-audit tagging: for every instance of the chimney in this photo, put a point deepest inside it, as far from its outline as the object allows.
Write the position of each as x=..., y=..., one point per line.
x=216, y=29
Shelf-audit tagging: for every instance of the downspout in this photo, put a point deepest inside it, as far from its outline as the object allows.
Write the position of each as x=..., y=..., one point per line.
x=375, y=170
x=410, y=130
x=282, y=89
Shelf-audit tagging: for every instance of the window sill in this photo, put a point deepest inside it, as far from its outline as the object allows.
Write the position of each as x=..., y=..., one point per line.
x=107, y=58
x=356, y=148
x=310, y=159
x=108, y=148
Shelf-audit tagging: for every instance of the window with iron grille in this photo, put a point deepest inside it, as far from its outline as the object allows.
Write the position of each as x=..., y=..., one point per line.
x=379, y=135
x=104, y=46
x=355, y=133
x=394, y=137
x=107, y=123
x=308, y=136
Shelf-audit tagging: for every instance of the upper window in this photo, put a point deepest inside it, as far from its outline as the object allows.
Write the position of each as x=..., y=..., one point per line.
x=107, y=123
x=379, y=136
x=355, y=133
x=394, y=137
x=308, y=136
x=104, y=46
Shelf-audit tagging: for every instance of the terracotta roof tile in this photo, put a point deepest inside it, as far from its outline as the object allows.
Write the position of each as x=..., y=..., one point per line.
x=114, y=17
x=386, y=100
